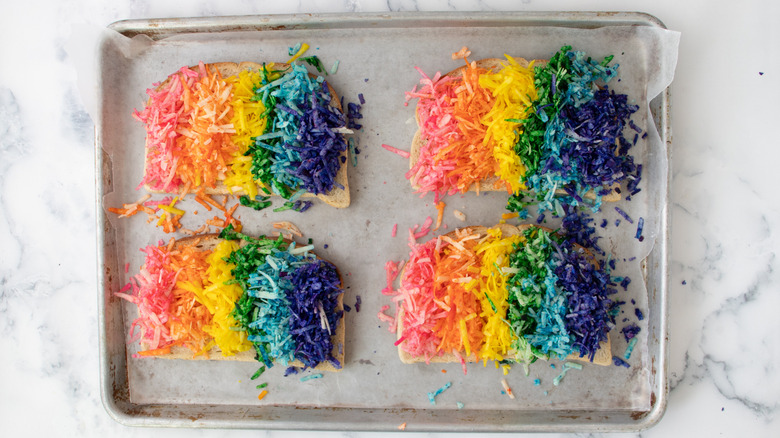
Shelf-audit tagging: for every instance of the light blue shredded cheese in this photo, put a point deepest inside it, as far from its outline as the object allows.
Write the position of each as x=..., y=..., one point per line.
x=432, y=395
x=629, y=348
x=310, y=377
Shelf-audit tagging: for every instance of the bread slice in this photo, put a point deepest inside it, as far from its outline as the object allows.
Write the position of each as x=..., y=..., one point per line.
x=338, y=197
x=209, y=242
x=493, y=183
x=602, y=357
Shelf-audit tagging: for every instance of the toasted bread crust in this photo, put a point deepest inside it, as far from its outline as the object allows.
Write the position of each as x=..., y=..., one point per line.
x=494, y=183
x=337, y=197
x=602, y=357
x=209, y=242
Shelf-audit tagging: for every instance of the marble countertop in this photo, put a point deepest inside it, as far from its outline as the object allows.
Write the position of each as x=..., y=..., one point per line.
x=723, y=355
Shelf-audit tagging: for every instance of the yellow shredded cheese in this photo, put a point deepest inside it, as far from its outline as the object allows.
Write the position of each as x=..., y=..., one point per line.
x=248, y=122
x=514, y=91
x=220, y=299
x=490, y=287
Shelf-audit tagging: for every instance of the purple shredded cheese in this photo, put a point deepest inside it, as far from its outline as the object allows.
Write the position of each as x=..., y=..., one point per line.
x=314, y=315
x=639, y=226
x=305, y=122
x=633, y=180
x=595, y=131
x=577, y=227
x=630, y=331
x=320, y=148
x=353, y=114
x=620, y=362
x=624, y=214
x=589, y=309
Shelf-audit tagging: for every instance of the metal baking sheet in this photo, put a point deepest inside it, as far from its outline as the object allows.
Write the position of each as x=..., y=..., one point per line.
x=375, y=391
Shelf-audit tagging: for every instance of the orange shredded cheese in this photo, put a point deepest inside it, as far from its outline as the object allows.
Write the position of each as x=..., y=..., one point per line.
x=156, y=351
x=189, y=316
x=455, y=155
x=470, y=149
x=440, y=207
x=454, y=296
x=469, y=123
x=204, y=143
x=168, y=312
x=289, y=226
x=440, y=315
x=203, y=199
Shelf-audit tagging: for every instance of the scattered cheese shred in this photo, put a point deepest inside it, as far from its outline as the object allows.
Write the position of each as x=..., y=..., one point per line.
x=507, y=389
x=440, y=207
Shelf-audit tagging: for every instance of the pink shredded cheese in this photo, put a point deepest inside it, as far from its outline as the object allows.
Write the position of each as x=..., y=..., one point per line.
x=152, y=293
x=391, y=272
x=435, y=110
x=425, y=229
x=404, y=154
x=383, y=317
x=165, y=111
x=157, y=203
x=421, y=312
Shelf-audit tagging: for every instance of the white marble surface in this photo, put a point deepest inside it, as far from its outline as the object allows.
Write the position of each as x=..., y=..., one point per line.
x=725, y=218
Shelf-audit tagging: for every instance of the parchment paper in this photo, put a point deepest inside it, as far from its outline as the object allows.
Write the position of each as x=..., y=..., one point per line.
x=379, y=63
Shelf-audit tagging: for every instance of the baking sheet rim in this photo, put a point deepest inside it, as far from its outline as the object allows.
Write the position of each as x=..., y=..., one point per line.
x=144, y=415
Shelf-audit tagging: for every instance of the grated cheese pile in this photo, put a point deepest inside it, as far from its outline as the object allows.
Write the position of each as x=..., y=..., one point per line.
x=236, y=299
x=489, y=297
x=551, y=132
x=204, y=130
